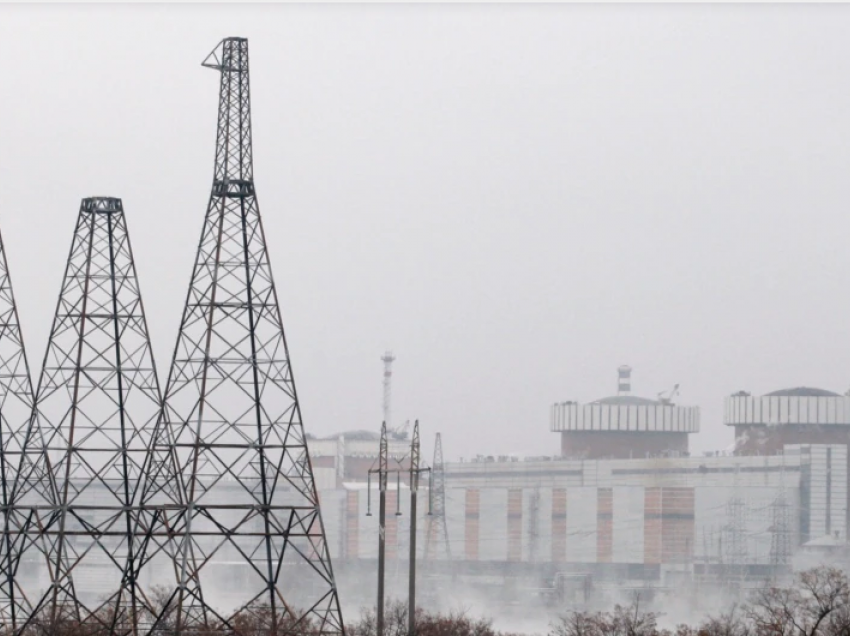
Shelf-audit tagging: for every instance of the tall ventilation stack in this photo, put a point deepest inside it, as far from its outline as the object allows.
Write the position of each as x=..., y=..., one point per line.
x=16, y=399
x=388, y=358
x=97, y=403
x=624, y=380
x=252, y=548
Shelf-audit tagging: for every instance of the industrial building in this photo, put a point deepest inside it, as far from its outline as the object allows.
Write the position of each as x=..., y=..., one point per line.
x=347, y=457
x=624, y=425
x=625, y=505
x=763, y=425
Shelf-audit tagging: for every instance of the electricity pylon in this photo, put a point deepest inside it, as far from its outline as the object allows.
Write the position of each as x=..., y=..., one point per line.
x=17, y=585
x=437, y=532
x=96, y=405
x=251, y=545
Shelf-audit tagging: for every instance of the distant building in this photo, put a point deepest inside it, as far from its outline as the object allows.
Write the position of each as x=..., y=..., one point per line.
x=624, y=426
x=349, y=456
x=801, y=415
x=622, y=506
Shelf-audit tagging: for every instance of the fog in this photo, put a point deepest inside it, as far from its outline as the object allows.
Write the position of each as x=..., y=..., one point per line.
x=525, y=606
x=514, y=199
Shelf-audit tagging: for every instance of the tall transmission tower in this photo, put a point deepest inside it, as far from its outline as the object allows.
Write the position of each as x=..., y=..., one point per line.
x=97, y=402
x=437, y=532
x=388, y=358
x=780, y=527
x=16, y=400
x=232, y=417
x=735, y=540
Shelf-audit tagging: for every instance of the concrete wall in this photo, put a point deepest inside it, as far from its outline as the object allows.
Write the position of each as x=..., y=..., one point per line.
x=661, y=512
x=621, y=445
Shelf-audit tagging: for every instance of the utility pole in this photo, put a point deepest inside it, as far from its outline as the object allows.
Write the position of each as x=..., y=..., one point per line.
x=383, y=472
x=415, y=469
x=382, y=523
x=414, y=486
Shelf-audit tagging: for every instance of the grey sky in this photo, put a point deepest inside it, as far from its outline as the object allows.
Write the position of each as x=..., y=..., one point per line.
x=516, y=199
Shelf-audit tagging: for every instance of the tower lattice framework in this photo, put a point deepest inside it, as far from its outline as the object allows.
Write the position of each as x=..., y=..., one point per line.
x=251, y=546
x=16, y=400
x=780, y=525
x=97, y=402
x=437, y=532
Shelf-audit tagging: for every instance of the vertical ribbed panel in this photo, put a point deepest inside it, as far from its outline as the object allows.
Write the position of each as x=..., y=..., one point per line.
x=604, y=525
x=471, y=527
x=652, y=538
x=352, y=527
x=514, y=524
x=677, y=505
x=559, y=525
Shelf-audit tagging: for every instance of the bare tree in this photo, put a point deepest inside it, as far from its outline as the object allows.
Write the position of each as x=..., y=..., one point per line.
x=731, y=623
x=813, y=606
x=631, y=620
x=624, y=620
x=576, y=624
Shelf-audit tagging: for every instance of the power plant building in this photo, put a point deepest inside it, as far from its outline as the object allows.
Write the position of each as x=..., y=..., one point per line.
x=623, y=425
x=625, y=504
x=790, y=416
x=653, y=518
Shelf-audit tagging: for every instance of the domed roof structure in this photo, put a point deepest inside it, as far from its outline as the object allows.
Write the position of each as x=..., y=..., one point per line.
x=802, y=391
x=799, y=415
x=624, y=425
x=626, y=400
x=356, y=435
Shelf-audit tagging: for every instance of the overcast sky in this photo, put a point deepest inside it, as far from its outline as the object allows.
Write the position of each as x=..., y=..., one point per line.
x=515, y=199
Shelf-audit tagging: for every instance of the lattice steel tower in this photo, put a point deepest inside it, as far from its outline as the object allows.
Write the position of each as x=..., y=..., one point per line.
x=780, y=526
x=252, y=543
x=735, y=535
x=96, y=406
x=16, y=398
x=437, y=532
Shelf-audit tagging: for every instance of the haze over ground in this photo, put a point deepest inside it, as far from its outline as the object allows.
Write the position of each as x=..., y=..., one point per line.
x=515, y=199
